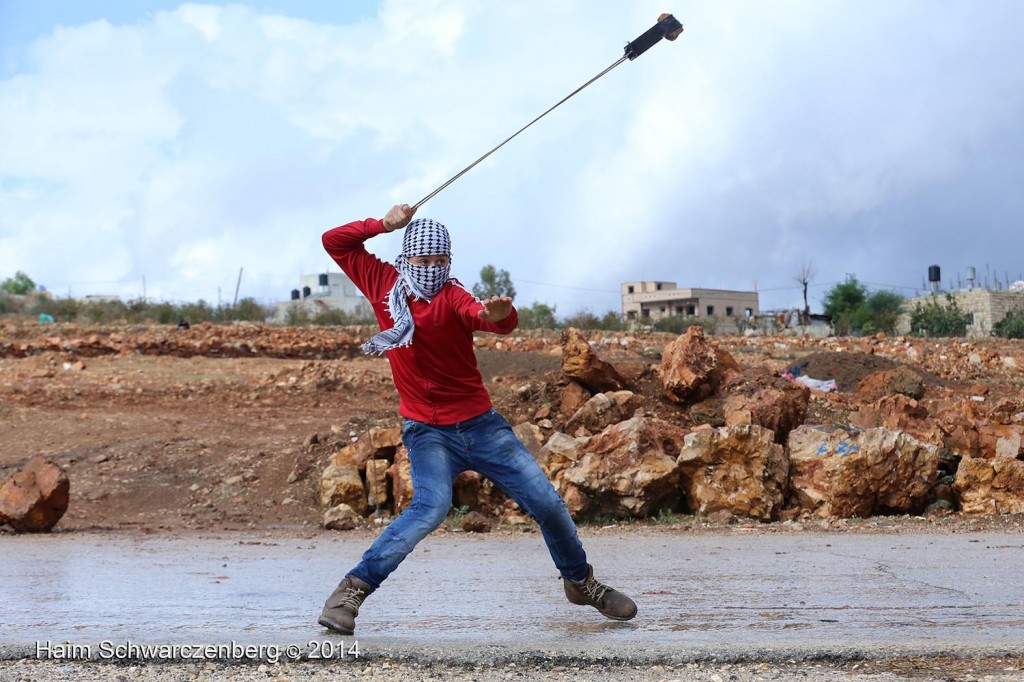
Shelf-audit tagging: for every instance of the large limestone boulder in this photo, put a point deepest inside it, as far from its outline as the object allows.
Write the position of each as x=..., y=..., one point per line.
x=603, y=410
x=629, y=469
x=347, y=456
x=378, y=444
x=342, y=485
x=692, y=369
x=377, y=483
x=900, y=380
x=574, y=396
x=531, y=436
x=559, y=452
x=374, y=444
x=1001, y=440
x=382, y=442
x=739, y=469
x=475, y=522
x=847, y=472
x=479, y=494
x=897, y=412
x=342, y=517
x=581, y=363
x=35, y=497
x=1007, y=411
x=990, y=486
x=779, y=410
x=959, y=421
x=401, y=480
x=576, y=501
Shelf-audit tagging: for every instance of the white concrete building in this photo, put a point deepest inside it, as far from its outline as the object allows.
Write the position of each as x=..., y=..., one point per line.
x=324, y=292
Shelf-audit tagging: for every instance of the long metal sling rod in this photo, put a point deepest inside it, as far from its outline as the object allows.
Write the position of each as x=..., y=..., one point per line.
x=667, y=27
x=513, y=136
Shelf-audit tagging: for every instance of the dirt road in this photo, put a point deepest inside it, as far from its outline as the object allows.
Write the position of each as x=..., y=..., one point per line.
x=489, y=601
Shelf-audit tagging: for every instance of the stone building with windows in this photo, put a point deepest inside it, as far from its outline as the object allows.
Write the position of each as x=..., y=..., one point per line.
x=648, y=302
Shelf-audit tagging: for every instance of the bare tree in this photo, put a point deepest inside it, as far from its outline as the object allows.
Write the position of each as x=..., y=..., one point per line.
x=804, y=276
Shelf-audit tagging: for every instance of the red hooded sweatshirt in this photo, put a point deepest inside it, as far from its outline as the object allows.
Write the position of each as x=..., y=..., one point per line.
x=436, y=376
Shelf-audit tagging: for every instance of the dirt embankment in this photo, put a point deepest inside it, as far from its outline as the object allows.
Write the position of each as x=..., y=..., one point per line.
x=227, y=427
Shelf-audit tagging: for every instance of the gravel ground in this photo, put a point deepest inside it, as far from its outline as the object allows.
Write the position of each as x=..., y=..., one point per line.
x=918, y=669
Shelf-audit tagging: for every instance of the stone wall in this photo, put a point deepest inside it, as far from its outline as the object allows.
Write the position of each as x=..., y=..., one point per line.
x=988, y=308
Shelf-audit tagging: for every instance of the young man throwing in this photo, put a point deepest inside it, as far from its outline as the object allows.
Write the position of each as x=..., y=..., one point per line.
x=427, y=320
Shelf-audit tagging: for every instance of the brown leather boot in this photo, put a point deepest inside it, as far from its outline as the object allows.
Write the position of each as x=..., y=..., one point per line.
x=342, y=607
x=589, y=592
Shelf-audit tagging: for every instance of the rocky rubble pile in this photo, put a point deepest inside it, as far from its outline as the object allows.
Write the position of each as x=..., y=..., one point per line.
x=697, y=432
x=629, y=425
x=227, y=341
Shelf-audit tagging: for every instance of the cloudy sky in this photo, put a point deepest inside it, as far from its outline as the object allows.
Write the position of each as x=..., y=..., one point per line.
x=159, y=148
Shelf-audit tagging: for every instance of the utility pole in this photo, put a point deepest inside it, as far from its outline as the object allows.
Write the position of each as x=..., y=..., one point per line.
x=239, y=284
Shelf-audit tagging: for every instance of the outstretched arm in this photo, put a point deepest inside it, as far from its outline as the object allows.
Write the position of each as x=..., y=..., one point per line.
x=496, y=309
x=497, y=315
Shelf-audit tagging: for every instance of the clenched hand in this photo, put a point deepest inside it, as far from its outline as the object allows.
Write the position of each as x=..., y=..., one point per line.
x=398, y=217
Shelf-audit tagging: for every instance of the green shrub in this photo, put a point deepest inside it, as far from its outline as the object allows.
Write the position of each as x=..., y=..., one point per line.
x=582, y=320
x=163, y=313
x=11, y=304
x=852, y=309
x=494, y=282
x=296, y=316
x=844, y=303
x=200, y=311
x=537, y=316
x=1011, y=326
x=61, y=309
x=883, y=310
x=937, y=320
x=20, y=284
x=247, y=310
x=340, y=318
x=104, y=312
x=677, y=324
x=610, y=321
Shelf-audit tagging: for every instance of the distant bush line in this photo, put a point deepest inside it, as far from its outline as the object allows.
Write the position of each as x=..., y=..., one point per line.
x=136, y=311
x=140, y=311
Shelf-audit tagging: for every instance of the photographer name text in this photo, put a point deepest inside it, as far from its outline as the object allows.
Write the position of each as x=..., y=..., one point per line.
x=272, y=653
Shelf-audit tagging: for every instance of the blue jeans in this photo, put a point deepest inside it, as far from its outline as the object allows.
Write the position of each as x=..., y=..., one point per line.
x=485, y=444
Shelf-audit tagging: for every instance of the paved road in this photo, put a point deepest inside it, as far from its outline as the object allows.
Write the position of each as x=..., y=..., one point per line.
x=491, y=598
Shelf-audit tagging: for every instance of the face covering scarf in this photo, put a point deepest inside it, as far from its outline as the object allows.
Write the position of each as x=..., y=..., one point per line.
x=423, y=237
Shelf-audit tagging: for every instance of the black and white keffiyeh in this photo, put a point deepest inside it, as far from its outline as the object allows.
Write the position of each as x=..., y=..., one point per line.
x=423, y=237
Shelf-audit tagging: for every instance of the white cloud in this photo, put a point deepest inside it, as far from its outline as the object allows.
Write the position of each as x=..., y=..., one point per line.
x=207, y=138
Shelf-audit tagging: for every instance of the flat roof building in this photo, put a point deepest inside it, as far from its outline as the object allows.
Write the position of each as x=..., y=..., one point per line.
x=648, y=302
x=324, y=292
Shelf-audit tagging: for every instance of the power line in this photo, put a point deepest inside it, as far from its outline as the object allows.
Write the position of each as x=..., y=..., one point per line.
x=565, y=286
x=892, y=286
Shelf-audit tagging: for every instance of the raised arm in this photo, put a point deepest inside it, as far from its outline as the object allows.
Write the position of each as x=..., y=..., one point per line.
x=345, y=244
